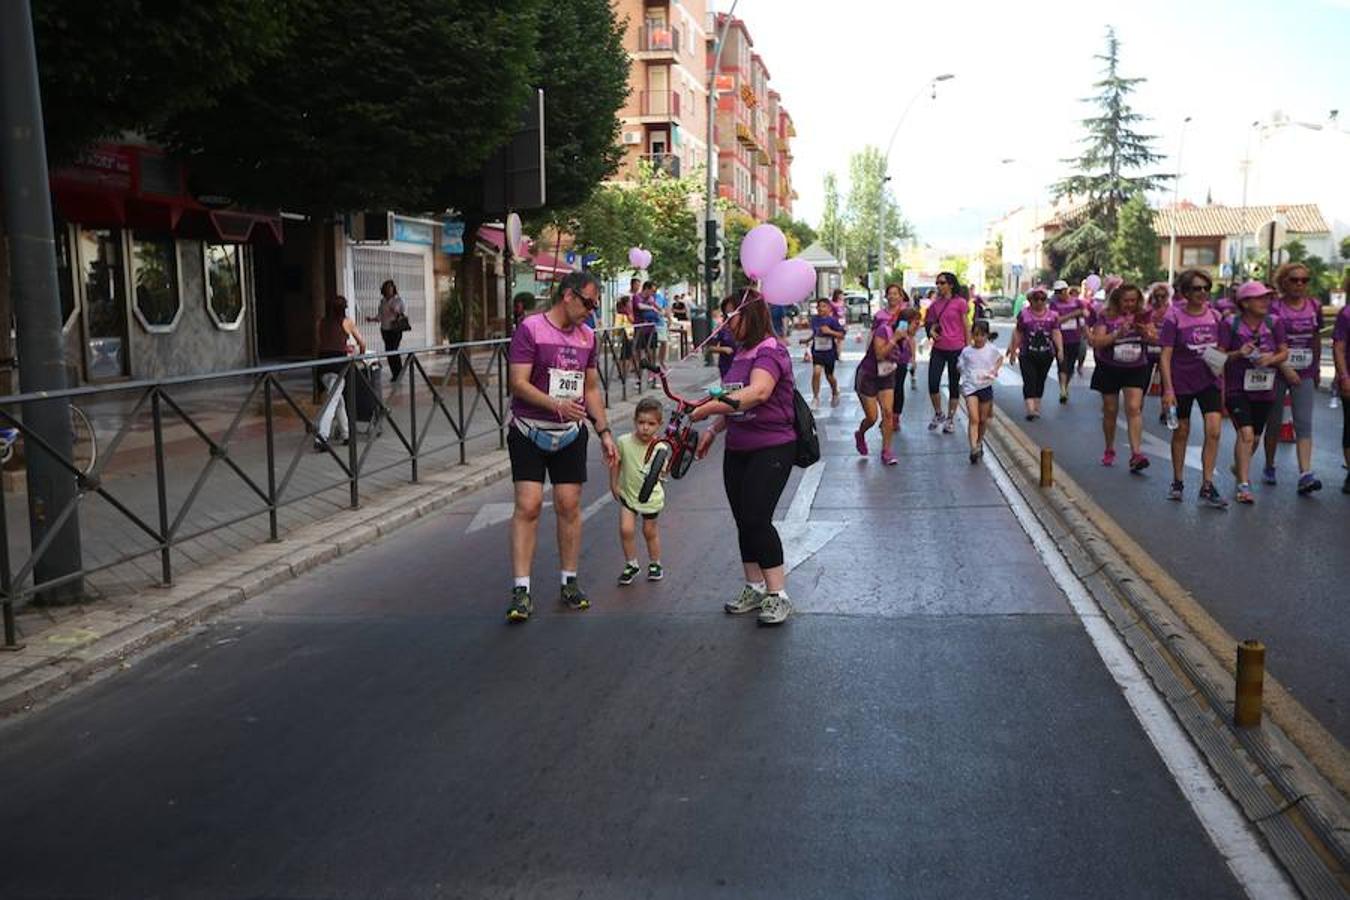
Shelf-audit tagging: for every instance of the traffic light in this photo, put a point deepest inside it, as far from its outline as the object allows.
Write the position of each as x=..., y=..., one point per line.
x=712, y=260
x=872, y=260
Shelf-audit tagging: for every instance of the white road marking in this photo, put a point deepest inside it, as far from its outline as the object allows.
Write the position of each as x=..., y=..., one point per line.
x=1241, y=848
x=491, y=514
x=1156, y=446
x=802, y=538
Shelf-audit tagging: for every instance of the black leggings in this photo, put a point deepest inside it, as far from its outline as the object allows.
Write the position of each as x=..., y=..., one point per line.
x=936, y=362
x=898, y=407
x=391, y=341
x=1035, y=369
x=754, y=480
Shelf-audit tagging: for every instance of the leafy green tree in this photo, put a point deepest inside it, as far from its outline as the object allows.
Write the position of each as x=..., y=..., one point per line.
x=109, y=66
x=610, y=222
x=831, y=226
x=1112, y=150
x=1294, y=251
x=1134, y=248
x=1345, y=248
x=869, y=205
x=670, y=204
x=737, y=226
x=799, y=234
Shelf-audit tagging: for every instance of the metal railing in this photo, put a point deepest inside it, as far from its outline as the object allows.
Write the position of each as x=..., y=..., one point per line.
x=663, y=38
x=452, y=401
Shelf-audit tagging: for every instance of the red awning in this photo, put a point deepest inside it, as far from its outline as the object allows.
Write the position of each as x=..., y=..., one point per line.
x=493, y=236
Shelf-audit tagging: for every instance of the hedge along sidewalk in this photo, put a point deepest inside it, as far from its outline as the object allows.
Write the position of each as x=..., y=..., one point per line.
x=64, y=646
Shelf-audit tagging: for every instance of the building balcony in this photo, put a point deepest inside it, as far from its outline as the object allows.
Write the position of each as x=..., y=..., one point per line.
x=663, y=162
x=658, y=43
x=661, y=106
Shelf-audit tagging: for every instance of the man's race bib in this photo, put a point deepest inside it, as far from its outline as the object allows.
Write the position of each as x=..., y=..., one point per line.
x=885, y=367
x=1128, y=353
x=566, y=384
x=823, y=343
x=1068, y=325
x=1258, y=381
x=1300, y=357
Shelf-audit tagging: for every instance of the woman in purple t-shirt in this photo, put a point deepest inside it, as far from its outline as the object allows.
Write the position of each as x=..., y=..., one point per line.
x=723, y=344
x=1256, y=346
x=874, y=382
x=1037, y=339
x=1300, y=375
x=1340, y=335
x=759, y=416
x=1189, y=339
x=1119, y=338
x=949, y=328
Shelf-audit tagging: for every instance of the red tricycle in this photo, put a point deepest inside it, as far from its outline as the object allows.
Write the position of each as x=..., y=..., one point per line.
x=674, y=450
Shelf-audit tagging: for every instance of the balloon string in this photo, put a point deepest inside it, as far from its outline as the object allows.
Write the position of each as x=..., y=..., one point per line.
x=745, y=298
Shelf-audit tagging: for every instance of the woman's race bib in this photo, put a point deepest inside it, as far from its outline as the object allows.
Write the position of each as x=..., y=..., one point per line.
x=1068, y=325
x=823, y=343
x=1300, y=357
x=1258, y=381
x=885, y=367
x=1128, y=353
x=566, y=384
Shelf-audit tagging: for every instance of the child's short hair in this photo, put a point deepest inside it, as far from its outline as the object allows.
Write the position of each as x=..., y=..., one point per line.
x=981, y=326
x=649, y=405
x=908, y=314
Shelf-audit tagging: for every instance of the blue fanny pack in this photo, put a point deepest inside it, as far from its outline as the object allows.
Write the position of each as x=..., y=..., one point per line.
x=546, y=439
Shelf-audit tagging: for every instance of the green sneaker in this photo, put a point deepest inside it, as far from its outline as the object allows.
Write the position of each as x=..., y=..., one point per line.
x=573, y=597
x=655, y=572
x=629, y=574
x=748, y=600
x=521, y=605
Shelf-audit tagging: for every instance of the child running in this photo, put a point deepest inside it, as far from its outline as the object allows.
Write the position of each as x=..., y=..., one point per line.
x=824, y=340
x=979, y=364
x=625, y=483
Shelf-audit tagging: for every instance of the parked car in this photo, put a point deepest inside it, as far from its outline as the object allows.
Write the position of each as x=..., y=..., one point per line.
x=859, y=307
x=999, y=306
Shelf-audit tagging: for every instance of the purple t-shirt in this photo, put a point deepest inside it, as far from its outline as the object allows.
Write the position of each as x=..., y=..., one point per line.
x=1189, y=336
x=950, y=314
x=903, y=354
x=821, y=344
x=1341, y=331
x=1302, y=327
x=881, y=328
x=724, y=338
x=1071, y=329
x=1128, y=351
x=558, y=361
x=1265, y=338
x=1037, y=329
x=773, y=422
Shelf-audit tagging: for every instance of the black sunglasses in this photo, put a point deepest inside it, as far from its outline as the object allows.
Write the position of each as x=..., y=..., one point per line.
x=942, y=282
x=1298, y=280
x=1198, y=286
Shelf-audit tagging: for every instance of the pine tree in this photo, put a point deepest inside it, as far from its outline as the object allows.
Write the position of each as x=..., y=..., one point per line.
x=1134, y=247
x=1112, y=150
x=831, y=227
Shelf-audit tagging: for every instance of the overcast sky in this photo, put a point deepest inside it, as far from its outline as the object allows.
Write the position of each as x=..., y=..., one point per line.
x=847, y=68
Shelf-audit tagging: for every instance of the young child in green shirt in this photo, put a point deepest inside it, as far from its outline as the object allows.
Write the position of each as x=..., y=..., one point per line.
x=625, y=483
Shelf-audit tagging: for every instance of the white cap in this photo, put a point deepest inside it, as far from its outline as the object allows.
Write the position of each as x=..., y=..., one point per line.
x=1060, y=285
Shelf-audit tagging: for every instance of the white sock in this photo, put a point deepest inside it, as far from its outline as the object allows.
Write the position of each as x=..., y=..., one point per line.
x=656, y=562
x=523, y=582
x=759, y=586
x=633, y=562
x=566, y=575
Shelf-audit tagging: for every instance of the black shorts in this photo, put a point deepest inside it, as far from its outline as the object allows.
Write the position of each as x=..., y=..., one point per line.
x=825, y=359
x=1070, y=354
x=1210, y=400
x=1248, y=413
x=866, y=385
x=649, y=517
x=1114, y=379
x=646, y=337
x=984, y=394
x=529, y=463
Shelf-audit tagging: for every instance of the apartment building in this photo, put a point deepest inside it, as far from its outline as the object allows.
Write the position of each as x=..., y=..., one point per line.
x=665, y=120
x=781, y=133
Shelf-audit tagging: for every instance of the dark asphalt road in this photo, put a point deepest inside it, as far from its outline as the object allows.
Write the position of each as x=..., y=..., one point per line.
x=933, y=722
x=1276, y=571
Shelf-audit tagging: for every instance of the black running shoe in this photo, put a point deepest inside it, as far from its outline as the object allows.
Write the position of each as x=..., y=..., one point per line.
x=521, y=605
x=573, y=597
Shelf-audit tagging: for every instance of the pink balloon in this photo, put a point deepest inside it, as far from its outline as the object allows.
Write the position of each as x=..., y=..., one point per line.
x=1093, y=282
x=763, y=248
x=646, y=258
x=789, y=282
x=635, y=258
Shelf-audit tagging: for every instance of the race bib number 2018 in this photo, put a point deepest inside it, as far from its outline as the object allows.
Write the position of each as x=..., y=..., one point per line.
x=566, y=384
x=1300, y=357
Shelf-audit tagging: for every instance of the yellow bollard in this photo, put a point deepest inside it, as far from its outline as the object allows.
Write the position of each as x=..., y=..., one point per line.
x=1047, y=467
x=1251, y=673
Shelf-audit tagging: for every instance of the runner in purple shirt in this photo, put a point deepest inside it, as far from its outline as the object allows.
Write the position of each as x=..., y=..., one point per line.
x=949, y=328
x=1037, y=340
x=759, y=417
x=1256, y=346
x=1073, y=328
x=1119, y=337
x=555, y=389
x=1190, y=339
x=1301, y=375
x=1339, y=337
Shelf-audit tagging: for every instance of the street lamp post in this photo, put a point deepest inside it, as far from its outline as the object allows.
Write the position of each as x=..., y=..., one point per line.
x=1241, y=270
x=1176, y=191
x=930, y=85
x=709, y=222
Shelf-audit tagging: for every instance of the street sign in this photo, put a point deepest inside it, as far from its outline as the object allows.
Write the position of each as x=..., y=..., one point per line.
x=1271, y=236
x=513, y=177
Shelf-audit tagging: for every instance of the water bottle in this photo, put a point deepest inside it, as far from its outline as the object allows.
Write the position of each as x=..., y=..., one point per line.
x=1172, y=422
x=1335, y=397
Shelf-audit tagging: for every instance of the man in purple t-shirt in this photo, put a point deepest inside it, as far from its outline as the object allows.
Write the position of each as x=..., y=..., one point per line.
x=555, y=388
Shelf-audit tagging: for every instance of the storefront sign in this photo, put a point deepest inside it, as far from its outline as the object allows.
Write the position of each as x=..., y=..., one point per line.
x=452, y=237
x=412, y=232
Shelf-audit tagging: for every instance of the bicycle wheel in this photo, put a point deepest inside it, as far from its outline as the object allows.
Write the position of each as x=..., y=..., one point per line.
x=84, y=446
x=679, y=466
x=659, y=457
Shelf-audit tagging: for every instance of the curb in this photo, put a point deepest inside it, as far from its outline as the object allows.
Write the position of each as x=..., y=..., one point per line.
x=216, y=588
